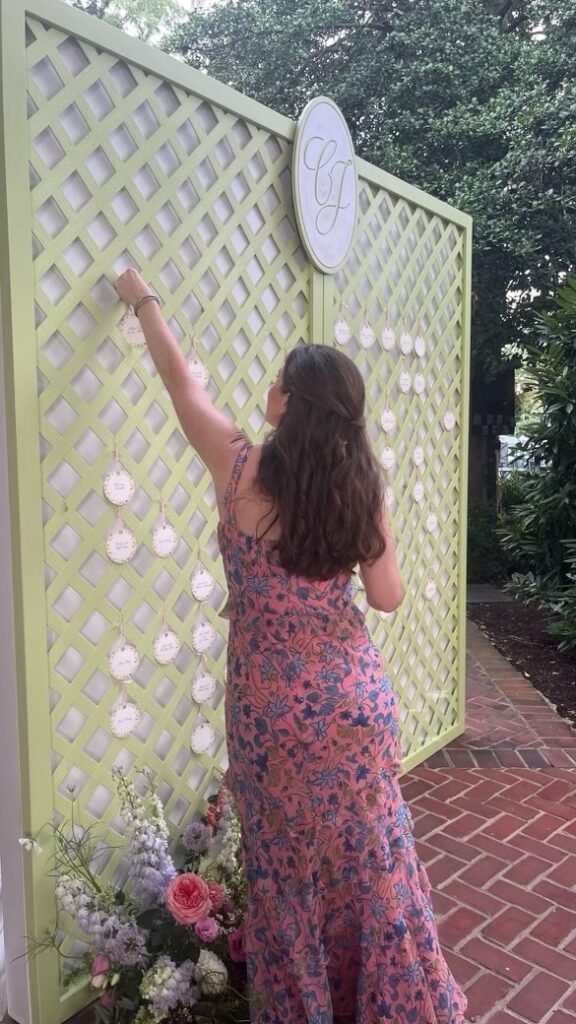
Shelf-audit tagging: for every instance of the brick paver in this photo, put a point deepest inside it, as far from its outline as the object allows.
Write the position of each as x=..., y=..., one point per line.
x=509, y=721
x=497, y=834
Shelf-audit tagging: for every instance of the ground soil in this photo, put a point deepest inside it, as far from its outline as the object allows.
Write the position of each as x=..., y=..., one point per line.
x=518, y=632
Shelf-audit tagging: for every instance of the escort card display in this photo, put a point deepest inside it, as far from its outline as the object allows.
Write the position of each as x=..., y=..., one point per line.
x=366, y=336
x=203, y=688
x=167, y=645
x=123, y=659
x=388, y=421
x=198, y=371
x=119, y=486
x=202, y=584
x=420, y=346
x=124, y=717
x=388, y=338
x=419, y=384
x=131, y=330
x=342, y=330
x=164, y=537
x=121, y=543
x=406, y=343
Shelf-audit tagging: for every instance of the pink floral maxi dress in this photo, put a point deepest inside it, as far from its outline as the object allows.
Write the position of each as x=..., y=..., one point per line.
x=339, y=926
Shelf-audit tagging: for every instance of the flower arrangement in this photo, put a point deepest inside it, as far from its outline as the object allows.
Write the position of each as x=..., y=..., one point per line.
x=168, y=946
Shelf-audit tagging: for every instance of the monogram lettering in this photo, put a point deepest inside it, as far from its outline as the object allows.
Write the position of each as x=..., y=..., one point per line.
x=329, y=180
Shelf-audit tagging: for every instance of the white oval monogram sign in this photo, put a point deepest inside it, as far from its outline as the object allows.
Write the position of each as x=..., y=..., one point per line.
x=324, y=182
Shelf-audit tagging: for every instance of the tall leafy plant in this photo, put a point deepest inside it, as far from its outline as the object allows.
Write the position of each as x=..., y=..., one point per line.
x=541, y=529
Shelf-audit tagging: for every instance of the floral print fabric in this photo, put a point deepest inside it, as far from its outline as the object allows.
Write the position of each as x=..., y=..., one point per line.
x=339, y=927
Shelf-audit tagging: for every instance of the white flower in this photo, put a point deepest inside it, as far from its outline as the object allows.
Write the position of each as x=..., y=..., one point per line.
x=211, y=974
x=30, y=844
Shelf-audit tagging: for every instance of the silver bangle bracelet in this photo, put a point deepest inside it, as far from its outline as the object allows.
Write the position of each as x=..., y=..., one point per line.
x=145, y=298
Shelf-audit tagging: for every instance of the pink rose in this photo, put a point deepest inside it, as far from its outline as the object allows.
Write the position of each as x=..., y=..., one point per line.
x=99, y=965
x=217, y=895
x=108, y=998
x=236, y=945
x=207, y=929
x=188, y=898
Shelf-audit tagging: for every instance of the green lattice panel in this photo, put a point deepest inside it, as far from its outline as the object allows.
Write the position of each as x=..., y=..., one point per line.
x=406, y=271
x=127, y=169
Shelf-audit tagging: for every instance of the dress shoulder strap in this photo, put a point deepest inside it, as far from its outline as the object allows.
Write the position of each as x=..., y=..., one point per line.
x=230, y=493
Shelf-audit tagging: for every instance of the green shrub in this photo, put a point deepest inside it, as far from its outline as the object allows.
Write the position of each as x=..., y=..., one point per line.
x=539, y=529
x=487, y=562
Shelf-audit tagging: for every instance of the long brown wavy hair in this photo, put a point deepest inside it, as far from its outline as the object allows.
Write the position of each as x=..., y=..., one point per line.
x=318, y=470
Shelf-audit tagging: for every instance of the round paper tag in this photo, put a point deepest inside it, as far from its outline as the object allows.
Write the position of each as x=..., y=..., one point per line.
x=202, y=584
x=388, y=421
x=203, y=688
x=418, y=456
x=449, y=420
x=420, y=347
x=119, y=486
x=121, y=544
x=164, y=540
x=367, y=336
x=199, y=372
x=388, y=458
x=406, y=343
x=203, y=636
x=388, y=338
x=389, y=498
x=342, y=330
x=431, y=522
x=430, y=590
x=124, y=718
x=131, y=330
x=202, y=738
x=419, y=384
x=166, y=647
x=418, y=492
x=405, y=381
x=123, y=660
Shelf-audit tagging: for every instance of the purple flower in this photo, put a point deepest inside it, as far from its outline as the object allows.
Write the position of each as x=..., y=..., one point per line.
x=196, y=837
x=128, y=947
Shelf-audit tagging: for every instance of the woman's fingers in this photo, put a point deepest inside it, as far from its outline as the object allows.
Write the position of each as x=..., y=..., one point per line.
x=131, y=286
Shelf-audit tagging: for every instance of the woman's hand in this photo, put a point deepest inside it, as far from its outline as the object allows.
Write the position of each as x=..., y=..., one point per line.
x=131, y=287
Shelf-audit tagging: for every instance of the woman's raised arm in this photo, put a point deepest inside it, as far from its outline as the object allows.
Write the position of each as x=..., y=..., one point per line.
x=210, y=432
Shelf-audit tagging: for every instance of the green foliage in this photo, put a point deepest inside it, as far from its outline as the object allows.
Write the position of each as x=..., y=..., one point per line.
x=541, y=530
x=511, y=492
x=149, y=20
x=484, y=555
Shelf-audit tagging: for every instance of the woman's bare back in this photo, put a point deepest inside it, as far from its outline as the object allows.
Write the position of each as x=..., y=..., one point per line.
x=252, y=509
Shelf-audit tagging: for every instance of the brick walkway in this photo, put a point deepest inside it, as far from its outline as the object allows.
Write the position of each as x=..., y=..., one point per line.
x=495, y=821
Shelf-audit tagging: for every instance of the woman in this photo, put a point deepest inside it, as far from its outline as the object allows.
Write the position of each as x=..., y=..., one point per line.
x=339, y=926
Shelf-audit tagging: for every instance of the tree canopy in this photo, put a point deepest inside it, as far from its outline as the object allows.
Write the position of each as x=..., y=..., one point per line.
x=472, y=100
x=148, y=20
